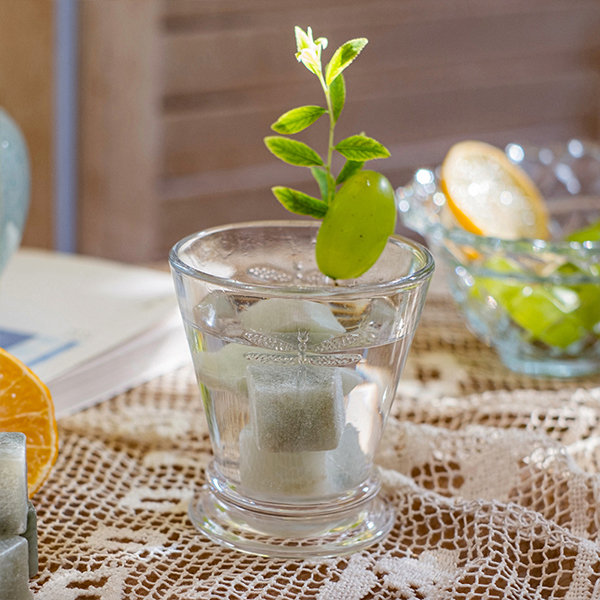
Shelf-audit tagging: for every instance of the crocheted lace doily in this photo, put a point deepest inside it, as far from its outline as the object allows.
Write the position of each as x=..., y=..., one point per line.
x=493, y=476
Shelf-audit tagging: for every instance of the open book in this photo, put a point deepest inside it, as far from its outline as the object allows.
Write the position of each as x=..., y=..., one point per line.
x=89, y=328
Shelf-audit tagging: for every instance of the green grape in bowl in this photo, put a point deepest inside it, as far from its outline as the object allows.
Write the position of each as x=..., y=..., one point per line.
x=555, y=314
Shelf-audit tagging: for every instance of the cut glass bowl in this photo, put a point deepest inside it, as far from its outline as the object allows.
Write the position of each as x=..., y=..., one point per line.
x=536, y=302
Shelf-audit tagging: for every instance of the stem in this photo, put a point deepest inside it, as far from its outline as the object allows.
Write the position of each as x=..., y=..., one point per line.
x=325, y=87
x=329, y=145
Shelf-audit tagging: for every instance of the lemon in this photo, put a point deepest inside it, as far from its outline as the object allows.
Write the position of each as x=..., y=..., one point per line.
x=491, y=196
x=26, y=406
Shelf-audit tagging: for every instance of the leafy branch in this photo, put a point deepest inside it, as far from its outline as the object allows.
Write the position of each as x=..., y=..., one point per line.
x=356, y=149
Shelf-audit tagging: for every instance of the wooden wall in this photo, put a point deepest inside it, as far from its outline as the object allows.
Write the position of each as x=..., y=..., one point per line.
x=27, y=94
x=120, y=129
x=175, y=105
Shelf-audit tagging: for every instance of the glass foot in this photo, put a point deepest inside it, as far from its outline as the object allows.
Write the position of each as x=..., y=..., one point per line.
x=306, y=532
x=551, y=367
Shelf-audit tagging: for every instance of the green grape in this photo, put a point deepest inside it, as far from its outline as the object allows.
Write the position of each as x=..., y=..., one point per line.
x=591, y=233
x=589, y=293
x=550, y=313
x=557, y=315
x=589, y=297
x=589, y=311
x=357, y=225
x=501, y=289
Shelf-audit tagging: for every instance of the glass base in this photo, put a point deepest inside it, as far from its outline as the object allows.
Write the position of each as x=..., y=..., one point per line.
x=550, y=367
x=292, y=531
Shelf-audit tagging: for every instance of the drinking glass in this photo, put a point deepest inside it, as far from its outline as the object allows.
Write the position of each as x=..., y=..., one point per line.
x=297, y=374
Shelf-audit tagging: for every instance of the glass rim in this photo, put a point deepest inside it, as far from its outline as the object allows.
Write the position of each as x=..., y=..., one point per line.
x=407, y=281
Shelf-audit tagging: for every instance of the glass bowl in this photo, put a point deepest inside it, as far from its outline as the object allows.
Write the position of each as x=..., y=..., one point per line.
x=536, y=302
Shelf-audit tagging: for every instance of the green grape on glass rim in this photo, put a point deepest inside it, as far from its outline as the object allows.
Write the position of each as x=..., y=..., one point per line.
x=356, y=226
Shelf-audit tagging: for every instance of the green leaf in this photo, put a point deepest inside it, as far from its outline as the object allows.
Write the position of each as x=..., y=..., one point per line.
x=300, y=203
x=361, y=147
x=342, y=58
x=325, y=181
x=351, y=167
x=293, y=152
x=297, y=119
x=337, y=92
x=321, y=178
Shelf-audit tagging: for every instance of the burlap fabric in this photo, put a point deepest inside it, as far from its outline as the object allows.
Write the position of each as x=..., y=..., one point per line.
x=493, y=476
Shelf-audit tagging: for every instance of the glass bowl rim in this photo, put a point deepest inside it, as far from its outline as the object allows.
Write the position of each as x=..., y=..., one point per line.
x=412, y=280
x=488, y=246
x=517, y=246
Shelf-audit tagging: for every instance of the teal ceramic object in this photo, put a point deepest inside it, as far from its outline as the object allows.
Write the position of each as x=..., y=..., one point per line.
x=14, y=187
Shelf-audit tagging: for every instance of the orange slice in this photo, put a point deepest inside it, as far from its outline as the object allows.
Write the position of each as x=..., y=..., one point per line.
x=489, y=195
x=26, y=406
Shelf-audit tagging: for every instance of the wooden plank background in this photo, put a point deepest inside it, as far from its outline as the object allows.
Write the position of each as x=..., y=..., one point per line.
x=120, y=129
x=27, y=94
x=434, y=72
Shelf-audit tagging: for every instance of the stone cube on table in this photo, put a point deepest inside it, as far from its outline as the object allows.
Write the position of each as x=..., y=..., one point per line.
x=14, y=568
x=18, y=528
x=13, y=484
x=32, y=540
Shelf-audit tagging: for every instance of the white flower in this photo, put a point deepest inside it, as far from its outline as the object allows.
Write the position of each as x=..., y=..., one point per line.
x=309, y=50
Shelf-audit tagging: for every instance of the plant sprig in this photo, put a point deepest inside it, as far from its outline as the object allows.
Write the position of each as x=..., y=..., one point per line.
x=356, y=149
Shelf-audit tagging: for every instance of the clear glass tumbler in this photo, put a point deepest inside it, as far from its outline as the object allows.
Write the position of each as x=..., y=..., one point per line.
x=297, y=374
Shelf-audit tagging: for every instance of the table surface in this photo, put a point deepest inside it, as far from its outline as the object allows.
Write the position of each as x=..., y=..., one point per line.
x=493, y=477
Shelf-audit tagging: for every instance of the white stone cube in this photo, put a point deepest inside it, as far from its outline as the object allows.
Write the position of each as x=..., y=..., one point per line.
x=273, y=475
x=224, y=369
x=14, y=569
x=13, y=484
x=215, y=309
x=350, y=379
x=296, y=408
x=347, y=465
x=381, y=313
x=291, y=316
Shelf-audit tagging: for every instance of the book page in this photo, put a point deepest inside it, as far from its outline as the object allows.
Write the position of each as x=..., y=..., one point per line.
x=58, y=311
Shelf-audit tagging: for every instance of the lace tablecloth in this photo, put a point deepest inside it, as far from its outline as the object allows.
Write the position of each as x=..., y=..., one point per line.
x=494, y=478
